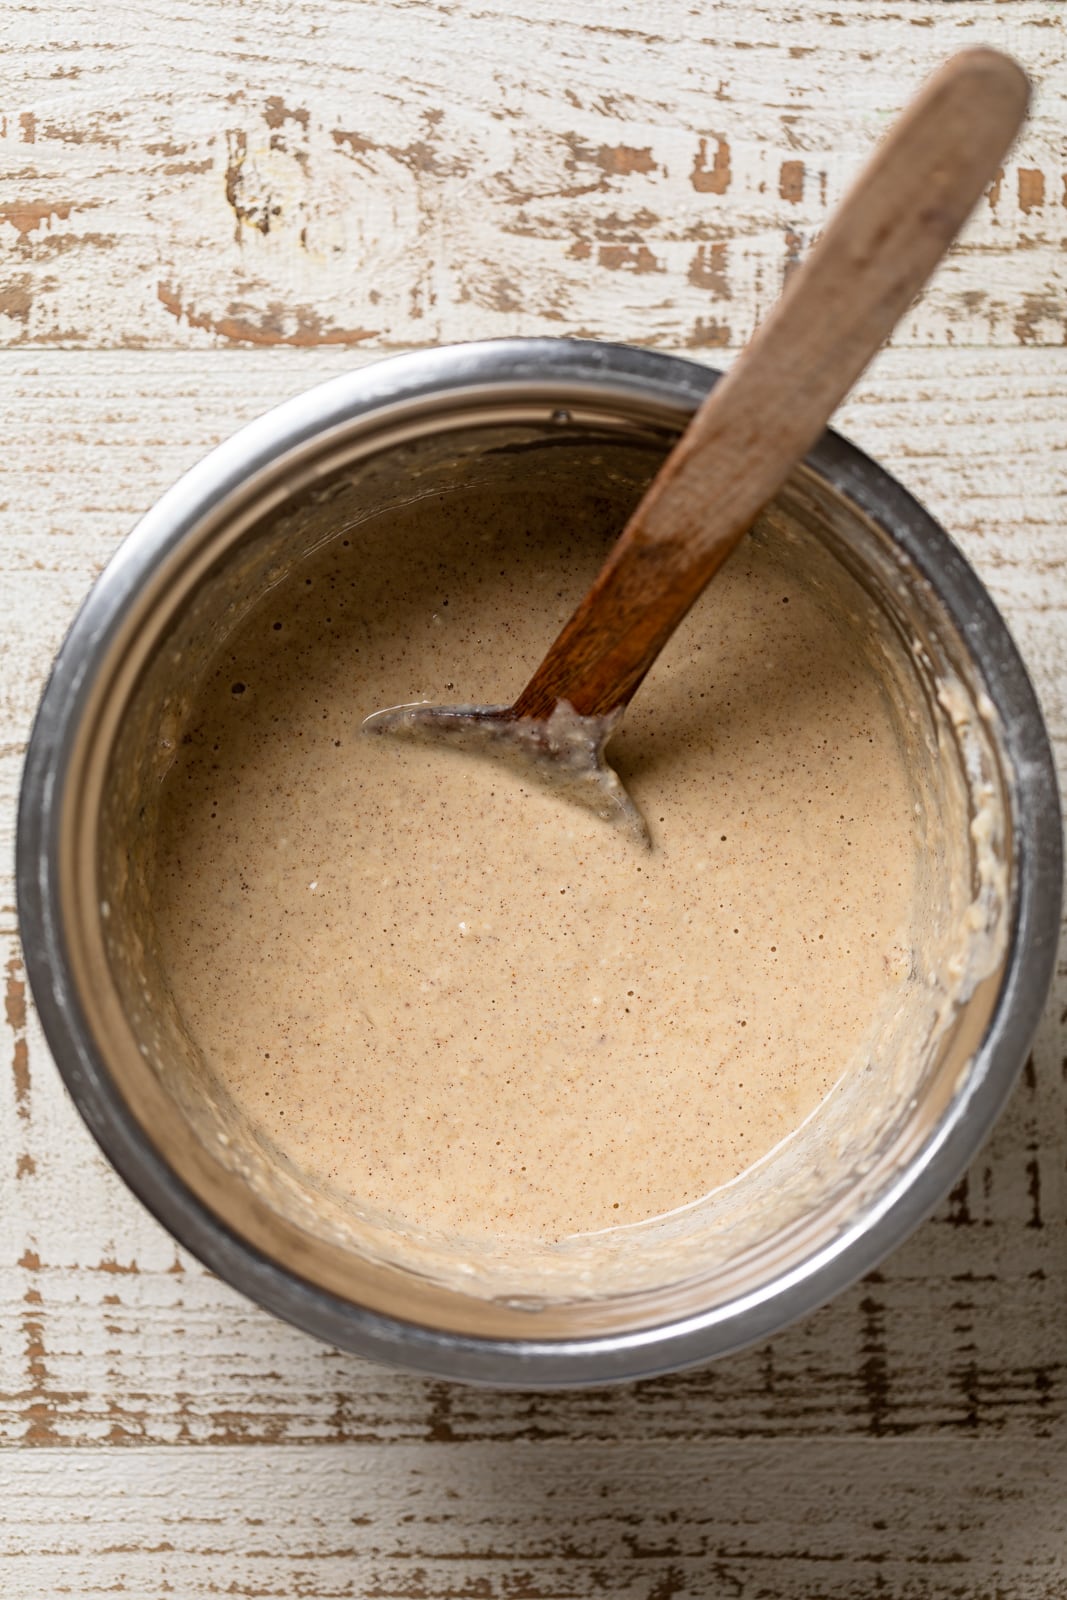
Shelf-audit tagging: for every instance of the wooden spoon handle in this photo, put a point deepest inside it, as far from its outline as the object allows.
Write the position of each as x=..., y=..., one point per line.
x=875, y=254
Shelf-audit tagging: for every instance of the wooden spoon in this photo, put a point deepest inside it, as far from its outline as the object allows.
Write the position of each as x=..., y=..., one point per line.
x=879, y=248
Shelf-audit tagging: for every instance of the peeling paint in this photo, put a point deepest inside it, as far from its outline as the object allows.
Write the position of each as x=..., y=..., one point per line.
x=278, y=206
x=794, y=251
x=16, y=298
x=622, y=160
x=791, y=181
x=29, y=215
x=713, y=179
x=708, y=334
x=627, y=258
x=277, y=114
x=277, y=324
x=1031, y=189
x=15, y=1013
x=708, y=270
x=1035, y=310
x=123, y=1269
x=255, y=215
x=352, y=141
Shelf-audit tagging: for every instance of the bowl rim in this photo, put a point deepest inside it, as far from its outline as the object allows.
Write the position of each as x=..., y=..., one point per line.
x=564, y=368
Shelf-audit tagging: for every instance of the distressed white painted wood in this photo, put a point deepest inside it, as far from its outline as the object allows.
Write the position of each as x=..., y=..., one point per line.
x=540, y=1522
x=197, y=180
x=392, y=172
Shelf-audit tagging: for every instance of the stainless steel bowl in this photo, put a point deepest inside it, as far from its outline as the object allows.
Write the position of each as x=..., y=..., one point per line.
x=192, y=567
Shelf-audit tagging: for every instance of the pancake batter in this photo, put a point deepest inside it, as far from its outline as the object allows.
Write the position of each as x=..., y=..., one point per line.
x=460, y=1002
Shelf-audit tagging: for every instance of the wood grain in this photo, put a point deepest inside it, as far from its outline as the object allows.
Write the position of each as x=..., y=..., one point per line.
x=390, y=172
x=540, y=1522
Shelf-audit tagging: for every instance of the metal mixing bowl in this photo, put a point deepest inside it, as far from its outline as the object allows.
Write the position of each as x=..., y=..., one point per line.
x=185, y=576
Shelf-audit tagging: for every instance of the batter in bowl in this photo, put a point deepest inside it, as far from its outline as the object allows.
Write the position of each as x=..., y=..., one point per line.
x=453, y=1001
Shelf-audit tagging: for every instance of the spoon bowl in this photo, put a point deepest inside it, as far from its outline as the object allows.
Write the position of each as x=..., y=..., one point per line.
x=564, y=751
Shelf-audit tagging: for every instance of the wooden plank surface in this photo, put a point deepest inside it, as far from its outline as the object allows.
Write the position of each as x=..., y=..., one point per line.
x=540, y=1522
x=185, y=185
x=393, y=171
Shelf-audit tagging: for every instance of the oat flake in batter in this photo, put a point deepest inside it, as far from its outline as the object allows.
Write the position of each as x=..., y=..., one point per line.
x=455, y=999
